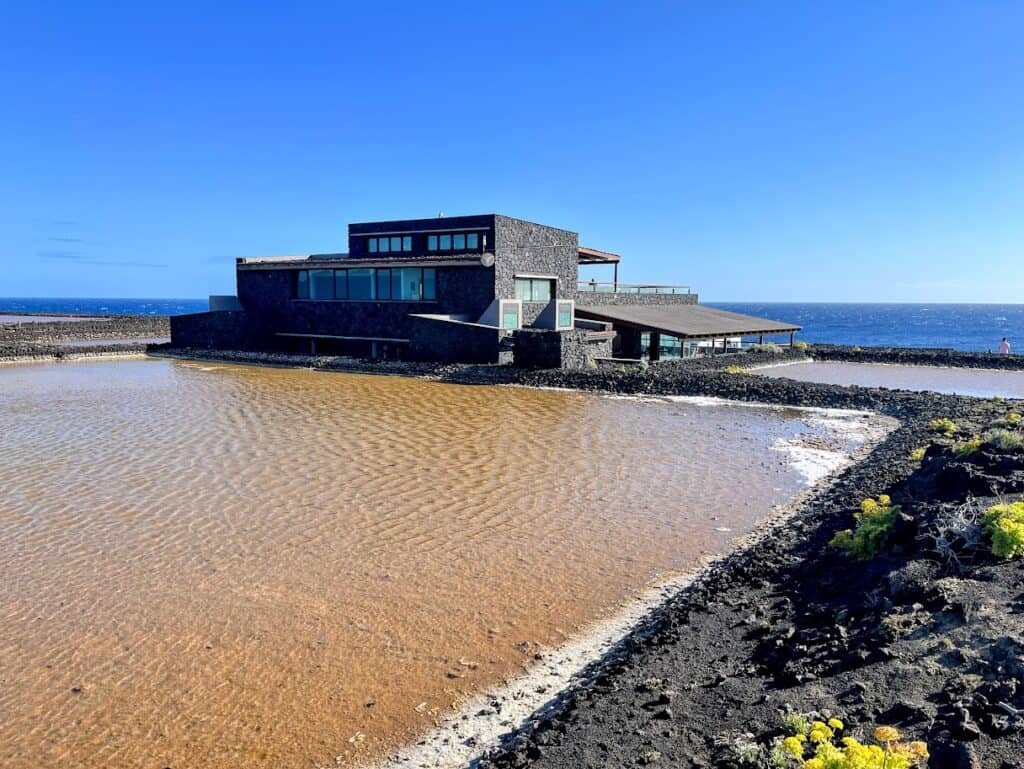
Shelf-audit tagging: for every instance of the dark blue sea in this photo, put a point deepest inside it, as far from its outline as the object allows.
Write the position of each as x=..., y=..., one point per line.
x=960, y=326
x=977, y=327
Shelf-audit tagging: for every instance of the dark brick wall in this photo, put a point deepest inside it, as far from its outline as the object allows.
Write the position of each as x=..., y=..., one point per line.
x=220, y=331
x=269, y=294
x=435, y=339
x=358, y=233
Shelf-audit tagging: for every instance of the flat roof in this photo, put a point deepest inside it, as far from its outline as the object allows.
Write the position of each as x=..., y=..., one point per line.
x=686, y=321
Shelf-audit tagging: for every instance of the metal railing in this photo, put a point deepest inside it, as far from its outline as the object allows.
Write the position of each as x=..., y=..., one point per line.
x=600, y=287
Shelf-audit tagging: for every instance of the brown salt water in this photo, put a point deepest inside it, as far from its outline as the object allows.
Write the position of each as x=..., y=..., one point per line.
x=221, y=566
x=982, y=383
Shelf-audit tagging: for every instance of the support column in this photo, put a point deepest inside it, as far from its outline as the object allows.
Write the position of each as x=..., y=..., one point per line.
x=654, y=351
x=792, y=334
x=615, y=278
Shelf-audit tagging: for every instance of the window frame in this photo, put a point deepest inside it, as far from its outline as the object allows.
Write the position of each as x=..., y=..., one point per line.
x=341, y=286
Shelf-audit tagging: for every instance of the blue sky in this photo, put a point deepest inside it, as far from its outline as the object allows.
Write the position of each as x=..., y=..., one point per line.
x=758, y=151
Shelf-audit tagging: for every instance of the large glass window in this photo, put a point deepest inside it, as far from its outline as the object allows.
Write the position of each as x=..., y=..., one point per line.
x=321, y=284
x=384, y=283
x=429, y=284
x=360, y=284
x=535, y=289
x=410, y=284
x=407, y=284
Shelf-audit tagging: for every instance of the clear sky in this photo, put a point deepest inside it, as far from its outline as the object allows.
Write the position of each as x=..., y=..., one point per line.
x=758, y=151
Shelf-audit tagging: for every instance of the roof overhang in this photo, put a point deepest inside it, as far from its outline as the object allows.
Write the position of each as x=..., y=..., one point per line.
x=593, y=256
x=685, y=321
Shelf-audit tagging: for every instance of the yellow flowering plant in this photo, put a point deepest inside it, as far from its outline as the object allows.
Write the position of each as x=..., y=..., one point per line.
x=874, y=522
x=1005, y=525
x=917, y=455
x=944, y=425
x=822, y=747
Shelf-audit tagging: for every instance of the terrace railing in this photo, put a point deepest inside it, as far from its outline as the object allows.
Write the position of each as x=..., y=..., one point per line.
x=599, y=287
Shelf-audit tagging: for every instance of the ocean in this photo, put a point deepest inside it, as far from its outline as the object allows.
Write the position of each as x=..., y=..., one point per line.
x=977, y=327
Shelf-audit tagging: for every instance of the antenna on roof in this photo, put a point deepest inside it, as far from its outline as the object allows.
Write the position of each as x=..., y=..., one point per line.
x=440, y=214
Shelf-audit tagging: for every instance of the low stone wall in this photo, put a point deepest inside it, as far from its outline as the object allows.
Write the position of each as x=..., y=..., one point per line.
x=592, y=298
x=745, y=359
x=546, y=348
x=917, y=357
x=111, y=327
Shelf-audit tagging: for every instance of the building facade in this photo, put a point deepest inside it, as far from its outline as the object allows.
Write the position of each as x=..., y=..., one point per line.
x=456, y=289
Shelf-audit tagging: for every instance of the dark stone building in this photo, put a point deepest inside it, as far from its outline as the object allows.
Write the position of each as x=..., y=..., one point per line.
x=446, y=289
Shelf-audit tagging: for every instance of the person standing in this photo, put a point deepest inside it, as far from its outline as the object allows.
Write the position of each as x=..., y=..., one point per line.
x=1004, y=346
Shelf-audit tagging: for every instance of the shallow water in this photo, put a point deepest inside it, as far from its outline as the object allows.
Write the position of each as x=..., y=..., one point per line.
x=211, y=566
x=982, y=383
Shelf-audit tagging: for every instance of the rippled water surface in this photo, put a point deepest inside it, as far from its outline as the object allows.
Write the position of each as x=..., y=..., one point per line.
x=982, y=383
x=217, y=566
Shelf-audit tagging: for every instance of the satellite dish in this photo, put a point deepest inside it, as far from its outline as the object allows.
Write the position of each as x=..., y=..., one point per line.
x=487, y=260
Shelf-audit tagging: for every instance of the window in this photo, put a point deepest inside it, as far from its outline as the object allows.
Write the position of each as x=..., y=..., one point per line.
x=565, y=315
x=509, y=315
x=408, y=284
x=384, y=283
x=360, y=284
x=458, y=241
x=429, y=284
x=389, y=244
x=535, y=289
x=321, y=284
